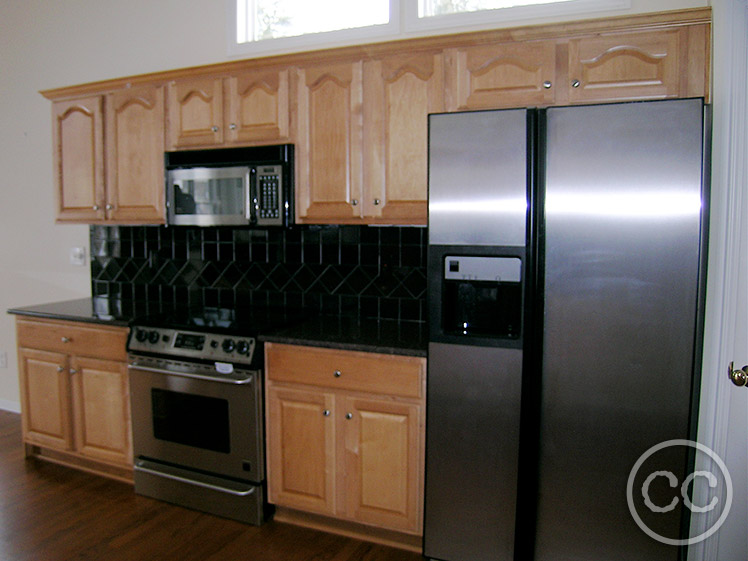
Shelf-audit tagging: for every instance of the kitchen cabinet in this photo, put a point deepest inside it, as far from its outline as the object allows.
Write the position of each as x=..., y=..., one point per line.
x=638, y=65
x=346, y=434
x=399, y=93
x=244, y=108
x=362, y=141
x=329, y=143
x=501, y=75
x=74, y=395
x=131, y=190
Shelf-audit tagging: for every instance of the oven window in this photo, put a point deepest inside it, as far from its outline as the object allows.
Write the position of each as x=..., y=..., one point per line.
x=192, y=420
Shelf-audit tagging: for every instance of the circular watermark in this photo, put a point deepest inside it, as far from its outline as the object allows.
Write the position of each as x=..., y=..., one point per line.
x=673, y=482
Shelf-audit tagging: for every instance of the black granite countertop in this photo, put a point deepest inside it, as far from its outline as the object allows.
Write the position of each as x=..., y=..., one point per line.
x=346, y=333
x=380, y=336
x=88, y=310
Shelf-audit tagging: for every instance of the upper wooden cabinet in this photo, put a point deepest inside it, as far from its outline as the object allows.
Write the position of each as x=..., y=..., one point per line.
x=357, y=115
x=329, y=143
x=505, y=75
x=78, y=138
x=399, y=93
x=135, y=155
x=245, y=108
x=195, y=109
x=645, y=65
x=132, y=189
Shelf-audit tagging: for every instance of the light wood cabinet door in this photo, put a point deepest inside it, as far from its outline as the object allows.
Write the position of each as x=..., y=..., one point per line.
x=301, y=449
x=101, y=408
x=135, y=155
x=502, y=75
x=195, y=112
x=399, y=93
x=329, y=143
x=641, y=65
x=383, y=462
x=78, y=144
x=45, y=397
x=257, y=107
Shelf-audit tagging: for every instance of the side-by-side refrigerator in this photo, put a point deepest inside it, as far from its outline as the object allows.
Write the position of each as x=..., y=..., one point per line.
x=566, y=283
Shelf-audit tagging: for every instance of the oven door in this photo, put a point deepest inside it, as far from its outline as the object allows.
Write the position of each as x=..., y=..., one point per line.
x=183, y=417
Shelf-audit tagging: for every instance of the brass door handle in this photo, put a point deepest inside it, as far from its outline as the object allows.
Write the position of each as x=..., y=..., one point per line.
x=739, y=376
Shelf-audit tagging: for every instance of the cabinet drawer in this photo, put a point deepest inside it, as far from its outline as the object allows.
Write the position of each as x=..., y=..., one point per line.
x=72, y=338
x=346, y=370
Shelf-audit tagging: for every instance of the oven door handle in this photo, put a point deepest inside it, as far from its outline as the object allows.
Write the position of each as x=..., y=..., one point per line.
x=233, y=381
x=158, y=473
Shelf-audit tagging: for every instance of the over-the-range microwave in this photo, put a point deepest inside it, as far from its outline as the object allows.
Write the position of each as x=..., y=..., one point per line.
x=248, y=186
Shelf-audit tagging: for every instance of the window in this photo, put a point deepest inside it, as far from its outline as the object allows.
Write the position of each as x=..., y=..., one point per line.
x=262, y=26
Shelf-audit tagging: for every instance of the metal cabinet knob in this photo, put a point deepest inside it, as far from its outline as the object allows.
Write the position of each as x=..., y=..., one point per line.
x=739, y=377
x=326, y=412
x=214, y=128
x=232, y=126
x=96, y=207
x=354, y=202
x=575, y=83
x=109, y=207
x=547, y=84
x=349, y=416
x=337, y=373
x=65, y=339
x=377, y=201
x=60, y=369
x=73, y=371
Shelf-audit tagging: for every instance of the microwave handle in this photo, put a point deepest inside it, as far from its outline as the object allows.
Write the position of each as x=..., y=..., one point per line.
x=251, y=206
x=171, y=184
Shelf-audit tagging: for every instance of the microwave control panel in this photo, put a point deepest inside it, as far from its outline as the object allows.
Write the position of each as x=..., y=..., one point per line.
x=269, y=199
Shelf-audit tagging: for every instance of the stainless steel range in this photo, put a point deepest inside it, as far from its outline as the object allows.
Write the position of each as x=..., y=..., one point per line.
x=197, y=412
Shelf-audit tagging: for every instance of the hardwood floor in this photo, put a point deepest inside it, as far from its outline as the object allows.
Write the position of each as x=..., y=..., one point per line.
x=53, y=513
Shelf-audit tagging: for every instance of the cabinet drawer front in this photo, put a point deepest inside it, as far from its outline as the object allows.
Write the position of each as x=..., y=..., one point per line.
x=74, y=339
x=346, y=370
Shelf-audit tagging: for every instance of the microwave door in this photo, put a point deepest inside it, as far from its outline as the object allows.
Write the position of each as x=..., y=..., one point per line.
x=250, y=190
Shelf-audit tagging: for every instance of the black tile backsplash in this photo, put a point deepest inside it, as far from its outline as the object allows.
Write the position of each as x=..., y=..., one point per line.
x=360, y=271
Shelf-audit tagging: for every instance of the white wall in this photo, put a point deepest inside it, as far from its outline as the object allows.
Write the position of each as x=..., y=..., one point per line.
x=46, y=44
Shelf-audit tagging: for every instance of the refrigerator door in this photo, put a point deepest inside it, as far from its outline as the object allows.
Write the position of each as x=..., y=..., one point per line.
x=478, y=178
x=622, y=271
x=472, y=445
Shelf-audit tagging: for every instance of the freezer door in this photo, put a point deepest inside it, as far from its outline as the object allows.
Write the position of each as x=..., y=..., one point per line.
x=622, y=254
x=472, y=439
x=478, y=178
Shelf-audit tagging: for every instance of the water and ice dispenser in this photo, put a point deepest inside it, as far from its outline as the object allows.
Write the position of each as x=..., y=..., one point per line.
x=482, y=296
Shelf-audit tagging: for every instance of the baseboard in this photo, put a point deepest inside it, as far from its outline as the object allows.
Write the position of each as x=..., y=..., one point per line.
x=12, y=406
x=350, y=529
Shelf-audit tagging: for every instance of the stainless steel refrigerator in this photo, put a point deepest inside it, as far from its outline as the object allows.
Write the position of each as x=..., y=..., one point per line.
x=566, y=284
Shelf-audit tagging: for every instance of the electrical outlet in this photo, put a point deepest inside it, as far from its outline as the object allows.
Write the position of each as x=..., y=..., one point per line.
x=78, y=256
x=3, y=359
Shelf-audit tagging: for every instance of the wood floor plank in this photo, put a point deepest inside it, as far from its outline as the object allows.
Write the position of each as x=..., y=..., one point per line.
x=53, y=513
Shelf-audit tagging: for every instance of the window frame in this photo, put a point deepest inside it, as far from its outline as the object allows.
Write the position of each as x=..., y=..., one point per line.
x=404, y=23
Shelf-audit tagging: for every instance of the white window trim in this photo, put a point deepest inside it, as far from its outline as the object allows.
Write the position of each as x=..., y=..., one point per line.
x=405, y=23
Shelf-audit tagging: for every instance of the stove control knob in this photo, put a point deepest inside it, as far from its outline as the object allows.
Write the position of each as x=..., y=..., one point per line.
x=242, y=347
x=141, y=335
x=214, y=344
x=153, y=337
x=228, y=345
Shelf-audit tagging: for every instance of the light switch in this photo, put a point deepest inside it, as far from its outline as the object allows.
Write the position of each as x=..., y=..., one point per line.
x=78, y=256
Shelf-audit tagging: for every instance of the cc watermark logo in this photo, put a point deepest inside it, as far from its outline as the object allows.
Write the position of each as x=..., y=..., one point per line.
x=635, y=493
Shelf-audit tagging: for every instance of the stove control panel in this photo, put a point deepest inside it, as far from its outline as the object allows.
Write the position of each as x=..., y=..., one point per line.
x=192, y=344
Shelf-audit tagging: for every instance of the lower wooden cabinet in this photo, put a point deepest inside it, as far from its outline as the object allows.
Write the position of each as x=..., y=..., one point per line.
x=74, y=395
x=337, y=448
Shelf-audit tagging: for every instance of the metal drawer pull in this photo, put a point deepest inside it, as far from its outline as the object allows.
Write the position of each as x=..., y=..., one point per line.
x=337, y=373
x=65, y=339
